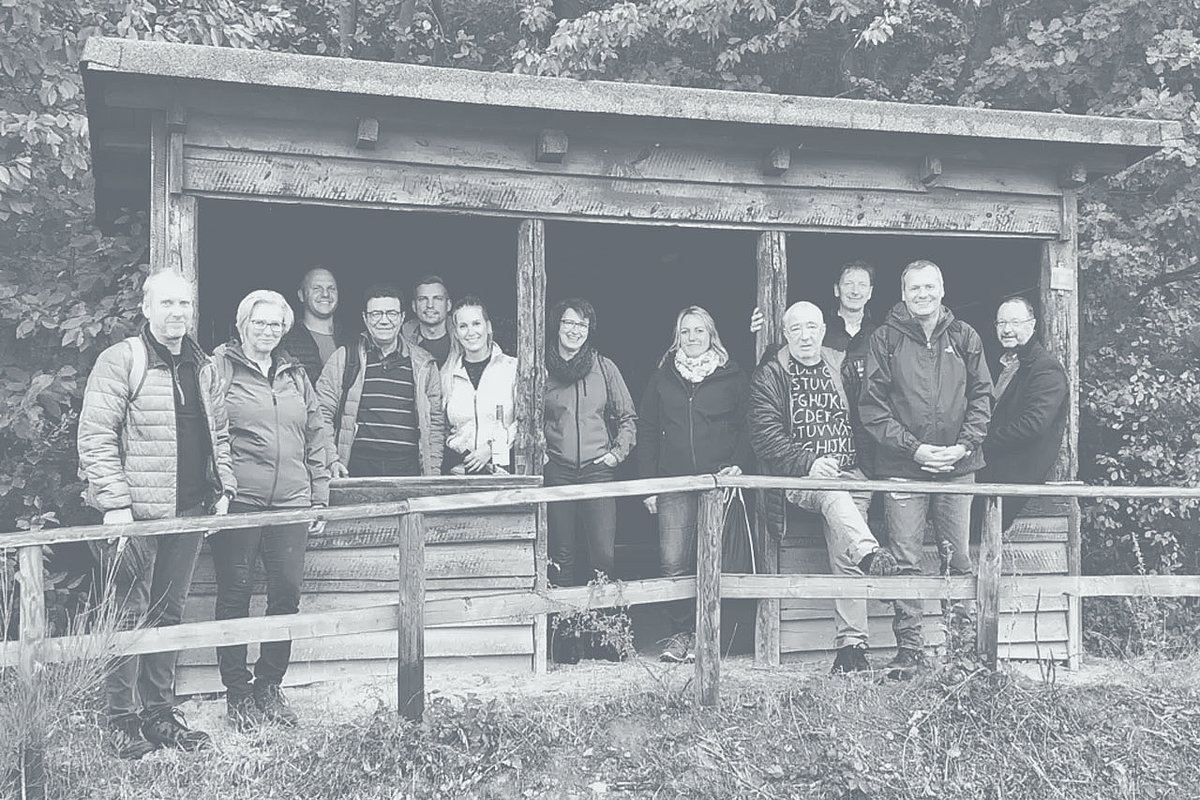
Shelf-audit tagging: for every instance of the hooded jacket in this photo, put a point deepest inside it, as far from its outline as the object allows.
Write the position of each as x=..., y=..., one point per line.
x=127, y=438
x=277, y=436
x=686, y=428
x=577, y=416
x=428, y=400
x=471, y=418
x=925, y=391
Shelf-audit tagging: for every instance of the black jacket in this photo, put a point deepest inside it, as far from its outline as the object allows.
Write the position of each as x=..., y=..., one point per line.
x=301, y=345
x=1028, y=421
x=692, y=429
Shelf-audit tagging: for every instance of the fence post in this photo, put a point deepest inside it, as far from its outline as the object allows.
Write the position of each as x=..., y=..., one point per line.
x=708, y=597
x=987, y=591
x=410, y=666
x=1074, y=601
x=32, y=634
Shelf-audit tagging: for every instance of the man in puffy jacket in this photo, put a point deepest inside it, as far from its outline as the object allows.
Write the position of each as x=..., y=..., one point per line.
x=154, y=443
x=800, y=426
x=926, y=400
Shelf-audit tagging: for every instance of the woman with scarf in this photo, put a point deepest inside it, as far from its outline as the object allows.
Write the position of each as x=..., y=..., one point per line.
x=691, y=421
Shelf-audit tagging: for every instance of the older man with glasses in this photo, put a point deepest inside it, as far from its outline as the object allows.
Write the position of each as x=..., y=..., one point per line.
x=383, y=398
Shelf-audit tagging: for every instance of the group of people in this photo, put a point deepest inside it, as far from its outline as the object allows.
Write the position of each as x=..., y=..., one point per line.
x=267, y=420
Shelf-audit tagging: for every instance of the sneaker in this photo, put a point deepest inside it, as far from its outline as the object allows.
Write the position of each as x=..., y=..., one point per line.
x=851, y=658
x=125, y=737
x=879, y=563
x=168, y=728
x=680, y=649
x=908, y=661
x=272, y=704
x=242, y=711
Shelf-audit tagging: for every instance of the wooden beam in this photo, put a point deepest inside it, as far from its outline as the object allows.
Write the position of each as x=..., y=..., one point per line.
x=368, y=133
x=551, y=146
x=930, y=171
x=410, y=677
x=530, y=448
x=987, y=635
x=709, y=532
x=777, y=161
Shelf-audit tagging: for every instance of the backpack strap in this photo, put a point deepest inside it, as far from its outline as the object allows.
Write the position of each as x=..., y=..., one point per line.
x=349, y=375
x=138, y=363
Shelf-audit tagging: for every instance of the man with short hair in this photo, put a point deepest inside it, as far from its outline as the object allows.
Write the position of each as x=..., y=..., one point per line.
x=318, y=334
x=383, y=398
x=427, y=328
x=925, y=401
x=800, y=426
x=154, y=443
x=1030, y=414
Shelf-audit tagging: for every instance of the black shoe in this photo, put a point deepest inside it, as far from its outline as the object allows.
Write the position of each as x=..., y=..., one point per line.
x=243, y=713
x=880, y=563
x=272, y=704
x=168, y=728
x=908, y=661
x=125, y=737
x=851, y=658
x=566, y=646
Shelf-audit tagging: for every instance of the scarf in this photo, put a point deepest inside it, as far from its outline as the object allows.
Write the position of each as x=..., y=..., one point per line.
x=1010, y=362
x=568, y=372
x=695, y=370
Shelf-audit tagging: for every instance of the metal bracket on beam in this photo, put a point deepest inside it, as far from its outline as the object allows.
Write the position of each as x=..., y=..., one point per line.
x=1073, y=176
x=778, y=161
x=368, y=133
x=931, y=171
x=551, y=146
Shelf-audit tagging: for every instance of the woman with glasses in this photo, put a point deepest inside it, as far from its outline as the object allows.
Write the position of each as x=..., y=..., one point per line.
x=278, y=440
x=477, y=391
x=691, y=421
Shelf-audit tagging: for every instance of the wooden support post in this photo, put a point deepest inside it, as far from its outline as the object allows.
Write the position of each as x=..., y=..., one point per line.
x=32, y=635
x=987, y=635
x=174, y=242
x=410, y=667
x=708, y=598
x=1074, y=601
x=772, y=300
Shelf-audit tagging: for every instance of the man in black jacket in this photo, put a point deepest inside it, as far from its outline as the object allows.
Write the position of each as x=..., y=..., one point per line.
x=1030, y=410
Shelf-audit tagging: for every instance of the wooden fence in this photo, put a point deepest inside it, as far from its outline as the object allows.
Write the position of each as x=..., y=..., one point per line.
x=410, y=613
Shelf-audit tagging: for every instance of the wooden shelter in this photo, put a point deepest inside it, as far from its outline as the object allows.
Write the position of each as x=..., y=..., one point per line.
x=349, y=153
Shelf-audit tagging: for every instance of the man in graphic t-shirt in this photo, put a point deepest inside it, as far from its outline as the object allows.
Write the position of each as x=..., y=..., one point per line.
x=427, y=328
x=800, y=426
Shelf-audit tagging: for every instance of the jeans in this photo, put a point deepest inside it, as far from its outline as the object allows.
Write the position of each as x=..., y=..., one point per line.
x=907, y=516
x=849, y=541
x=595, y=520
x=234, y=554
x=677, y=552
x=151, y=578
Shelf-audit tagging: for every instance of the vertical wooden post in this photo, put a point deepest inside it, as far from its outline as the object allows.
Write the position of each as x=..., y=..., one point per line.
x=1074, y=604
x=530, y=449
x=987, y=634
x=174, y=242
x=708, y=598
x=772, y=300
x=410, y=666
x=32, y=634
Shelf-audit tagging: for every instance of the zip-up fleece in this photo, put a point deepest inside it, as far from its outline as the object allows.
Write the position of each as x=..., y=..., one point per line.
x=925, y=391
x=471, y=413
x=687, y=428
x=428, y=400
x=128, y=444
x=575, y=426
x=277, y=435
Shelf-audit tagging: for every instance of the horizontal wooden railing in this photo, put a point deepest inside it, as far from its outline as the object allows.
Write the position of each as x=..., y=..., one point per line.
x=411, y=612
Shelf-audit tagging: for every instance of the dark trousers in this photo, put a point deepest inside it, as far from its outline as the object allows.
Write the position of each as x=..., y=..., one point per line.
x=368, y=467
x=151, y=578
x=281, y=548
x=594, y=520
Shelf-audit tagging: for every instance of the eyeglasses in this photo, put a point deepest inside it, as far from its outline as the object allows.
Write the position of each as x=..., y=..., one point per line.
x=376, y=315
x=570, y=324
x=262, y=325
x=1005, y=323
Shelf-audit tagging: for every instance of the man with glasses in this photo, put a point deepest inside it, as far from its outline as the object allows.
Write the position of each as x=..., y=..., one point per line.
x=799, y=421
x=383, y=398
x=1030, y=413
x=427, y=329
x=313, y=341
x=926, y=400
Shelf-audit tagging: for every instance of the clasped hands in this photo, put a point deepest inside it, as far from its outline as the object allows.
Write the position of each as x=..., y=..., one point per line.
x=939, y=458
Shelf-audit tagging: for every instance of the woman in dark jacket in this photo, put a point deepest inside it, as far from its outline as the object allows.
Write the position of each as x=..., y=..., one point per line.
x=691, y=421
x=279, y=444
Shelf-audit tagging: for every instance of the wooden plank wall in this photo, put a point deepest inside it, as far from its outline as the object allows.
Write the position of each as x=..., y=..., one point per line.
x=355, y=564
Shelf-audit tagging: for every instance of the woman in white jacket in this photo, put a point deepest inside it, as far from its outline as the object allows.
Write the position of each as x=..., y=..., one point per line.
x=477, y=389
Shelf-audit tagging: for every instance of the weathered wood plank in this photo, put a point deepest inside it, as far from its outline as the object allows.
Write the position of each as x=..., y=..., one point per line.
x=1020, y=558
x=235, y=174
x=708, y=598
x=450, y=528
x=988, y=586
x=803, y=635
x=410, y=638
x=355, y=491
x=531, y=342
x=1059, y=296
x=1009, y=604
x=33, y=613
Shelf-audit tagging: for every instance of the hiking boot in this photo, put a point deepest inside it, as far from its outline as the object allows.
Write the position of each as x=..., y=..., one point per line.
x=243, y=713
x=879, y=563
x=680, y=649
x=851, y=658
x=908, y=661
x=125, y=737
x=168, y=728
x=272, y=704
